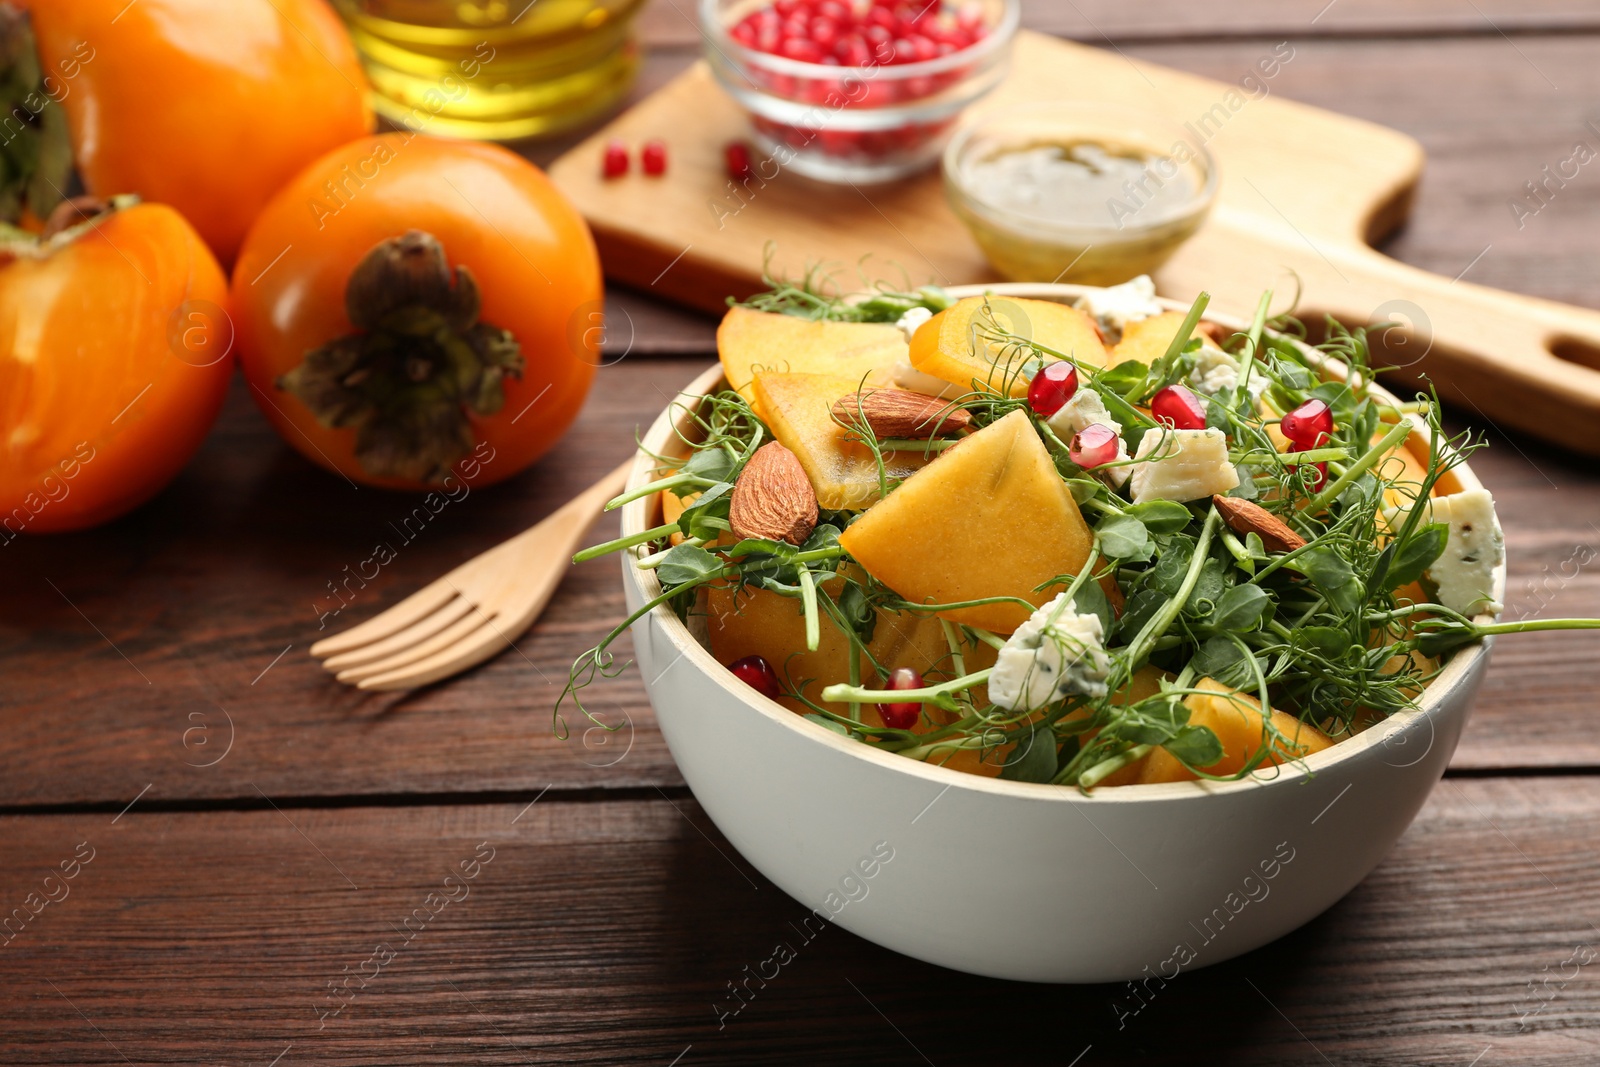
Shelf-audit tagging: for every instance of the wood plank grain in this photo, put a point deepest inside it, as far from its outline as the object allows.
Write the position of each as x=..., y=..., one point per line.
x=605, y=932
x=129, y=650
x=1098, y=21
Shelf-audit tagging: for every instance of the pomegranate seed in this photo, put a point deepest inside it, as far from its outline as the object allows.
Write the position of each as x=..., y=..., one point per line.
x=824, y=33
x=1179, y=408
x=801, y=49
x=1052, y=387
x=614, y=164
x=758, y=674
x=1093, y=446
x=902, y=716
x=839, y=13
x=1308, y=426
x=881, y=17
x=852, y=51
x=737, y=157
x=653, y=158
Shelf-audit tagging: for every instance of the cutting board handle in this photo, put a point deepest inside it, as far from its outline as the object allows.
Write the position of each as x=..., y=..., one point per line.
x=1516, y=362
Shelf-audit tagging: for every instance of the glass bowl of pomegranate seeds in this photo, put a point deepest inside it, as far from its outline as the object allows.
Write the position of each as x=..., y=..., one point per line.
x=857, y=90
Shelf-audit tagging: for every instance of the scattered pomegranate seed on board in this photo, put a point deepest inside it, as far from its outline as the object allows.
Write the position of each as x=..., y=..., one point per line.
x=614, y=162
x=653, y=158
x=737, y=156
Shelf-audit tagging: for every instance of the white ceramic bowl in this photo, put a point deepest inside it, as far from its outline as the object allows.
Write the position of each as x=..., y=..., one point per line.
x=1024, y=881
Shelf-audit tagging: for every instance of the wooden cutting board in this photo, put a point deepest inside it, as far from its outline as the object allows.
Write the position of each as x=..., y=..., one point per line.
x=1303, y=192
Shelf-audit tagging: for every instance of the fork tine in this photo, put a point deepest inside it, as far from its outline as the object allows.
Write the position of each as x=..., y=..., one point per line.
x=417, y=632
x=444, y=639
x=397, y=618
x=482, y=644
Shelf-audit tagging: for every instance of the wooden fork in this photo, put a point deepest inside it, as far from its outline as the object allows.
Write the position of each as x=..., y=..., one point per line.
x=472, y=613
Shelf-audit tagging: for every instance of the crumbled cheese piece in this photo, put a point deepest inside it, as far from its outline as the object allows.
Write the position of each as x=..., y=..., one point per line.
x=908, y=377
x=912, y=320
x=1046, y=660
x=1216, y=370
x=1085, y=409
x=1119, y=305
x=1193, y=464
x=1465, y=573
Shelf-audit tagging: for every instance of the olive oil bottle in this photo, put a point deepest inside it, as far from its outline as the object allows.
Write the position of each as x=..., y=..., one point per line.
x=495, y=69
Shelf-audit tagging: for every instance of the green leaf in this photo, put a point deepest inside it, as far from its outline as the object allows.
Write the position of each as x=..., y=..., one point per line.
x=823, y=720
x=1333, y=576
x=1033, y=759
x=1438, y=642
x=1090, y=599
x=858, y=611
x=1124, y=537
x=1162, y=516
x=1246, y=489
x=1140, y=609
x=1209, y=587
x=712, y=504
x=686, y=563
x=1170, y=570
x=1241, y=609
x=712, y=463
x=1121, y=379
x=824, y=536
x=1225, y=661
x=1419, y=552
x=752, y=546
x=1329, y=641
x=1151, y=722
x=1195, y=745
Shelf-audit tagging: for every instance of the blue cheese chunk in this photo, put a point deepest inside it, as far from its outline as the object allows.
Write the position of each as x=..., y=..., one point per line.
x=912, y=321
x=1118, y=305
x=1084, y=410
x=1057, y=653
x=1465, y=572
x=1186, y=465
x=1216, y=371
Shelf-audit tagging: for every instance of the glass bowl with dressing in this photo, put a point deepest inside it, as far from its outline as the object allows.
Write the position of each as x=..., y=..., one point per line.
x=1092, y=194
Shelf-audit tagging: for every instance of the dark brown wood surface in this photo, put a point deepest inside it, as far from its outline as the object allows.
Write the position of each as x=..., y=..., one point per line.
x=606, y=931
x=281, y=825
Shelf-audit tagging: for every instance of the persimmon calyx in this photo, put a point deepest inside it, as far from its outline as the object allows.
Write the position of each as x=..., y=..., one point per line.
x=68, y=221
x=420, y=365
x=36, y=153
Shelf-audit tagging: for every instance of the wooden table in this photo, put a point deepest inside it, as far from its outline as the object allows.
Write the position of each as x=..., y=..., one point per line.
x=246, y=835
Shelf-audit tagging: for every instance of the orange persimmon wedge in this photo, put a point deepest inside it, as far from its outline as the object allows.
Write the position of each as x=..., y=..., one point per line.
x=950, y=346
x=1236, y=719
x=990, y=517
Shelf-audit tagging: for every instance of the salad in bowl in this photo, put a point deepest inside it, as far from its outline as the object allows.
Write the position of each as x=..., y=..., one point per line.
x=1062, y=597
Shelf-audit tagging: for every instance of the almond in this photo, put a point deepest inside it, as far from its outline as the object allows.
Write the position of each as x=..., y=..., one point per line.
x=1243, y=518
x=773, y=498
x=901, y=413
